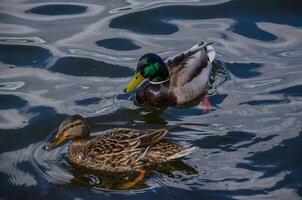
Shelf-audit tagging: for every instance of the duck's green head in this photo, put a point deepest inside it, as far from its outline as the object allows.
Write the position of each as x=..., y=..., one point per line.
x=150, y=66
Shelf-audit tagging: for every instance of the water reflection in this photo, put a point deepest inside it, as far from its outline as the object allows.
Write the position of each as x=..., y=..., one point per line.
x=294, y=91
x=11, y=85
x=273, y=161
x=88, y=101
x=118, y=44
x=15, y=55
x=21, y=40
x=8, y=167
x=248, y=141
x=88, y=67
x=58, y=9
x=244, y=70
x=114, y=181
x=246, y=25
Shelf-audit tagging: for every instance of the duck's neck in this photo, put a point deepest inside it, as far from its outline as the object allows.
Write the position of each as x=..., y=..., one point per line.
x=157, y=73
x=76, y=148
x=160, y=81
x=78, y=142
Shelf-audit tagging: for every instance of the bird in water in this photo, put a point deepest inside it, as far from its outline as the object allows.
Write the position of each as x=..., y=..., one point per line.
x=118, y=149
x=176, y=80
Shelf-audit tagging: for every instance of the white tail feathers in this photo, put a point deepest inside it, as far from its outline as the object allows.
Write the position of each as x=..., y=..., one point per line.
x=183, y=153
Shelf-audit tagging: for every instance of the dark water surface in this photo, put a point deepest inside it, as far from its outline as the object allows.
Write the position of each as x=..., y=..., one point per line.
x=59, y=59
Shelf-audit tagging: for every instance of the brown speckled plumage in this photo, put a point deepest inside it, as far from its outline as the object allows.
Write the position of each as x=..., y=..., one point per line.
x=118, y=149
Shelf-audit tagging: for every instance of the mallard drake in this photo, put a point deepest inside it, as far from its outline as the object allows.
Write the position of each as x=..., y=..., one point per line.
x=176, y=80
x=118, y=149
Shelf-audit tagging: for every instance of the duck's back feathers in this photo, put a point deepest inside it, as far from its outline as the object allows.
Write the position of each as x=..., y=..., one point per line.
x=165, y=151
x=124, y=149
x=127, y=135
x=177, y=59
x=188, y=68
x=194, y=88
x=190, y=72
x=124, y=139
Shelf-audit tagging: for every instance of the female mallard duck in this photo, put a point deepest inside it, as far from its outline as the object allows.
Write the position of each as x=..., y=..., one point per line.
x=118, y=149
x=176, y=80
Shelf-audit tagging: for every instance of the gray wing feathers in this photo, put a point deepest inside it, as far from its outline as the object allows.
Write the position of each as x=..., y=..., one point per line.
x=175, y=60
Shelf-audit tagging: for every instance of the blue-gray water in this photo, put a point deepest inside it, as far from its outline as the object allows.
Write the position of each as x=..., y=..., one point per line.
x=59, y=59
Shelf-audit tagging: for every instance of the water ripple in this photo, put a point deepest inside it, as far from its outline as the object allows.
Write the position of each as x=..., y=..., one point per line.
x=58, y=9
x=11, y=85
x=22, y=40
x=69, y=57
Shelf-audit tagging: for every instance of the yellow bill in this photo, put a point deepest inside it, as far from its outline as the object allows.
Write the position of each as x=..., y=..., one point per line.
x=137, y=79
x=61, y=138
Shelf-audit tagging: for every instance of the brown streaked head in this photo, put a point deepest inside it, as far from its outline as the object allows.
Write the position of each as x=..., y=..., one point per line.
x=72, y=128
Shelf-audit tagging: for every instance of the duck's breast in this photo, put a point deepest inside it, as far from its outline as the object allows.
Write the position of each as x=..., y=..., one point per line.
x=154, y=94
